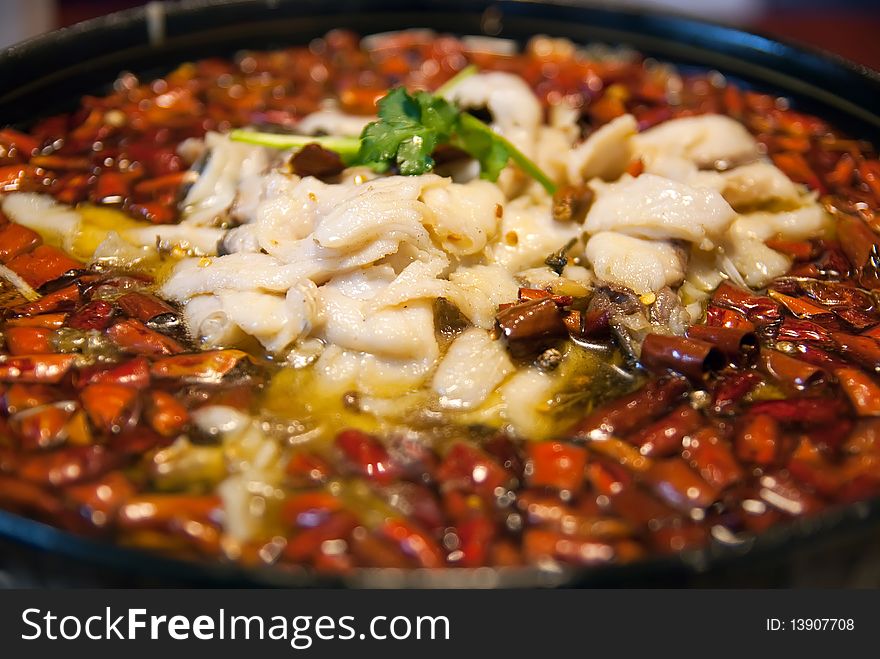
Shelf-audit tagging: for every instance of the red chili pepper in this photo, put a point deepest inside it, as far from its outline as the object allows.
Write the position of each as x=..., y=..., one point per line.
x=791, y=372
x=46, y=369
x=154, y=185
x=557, y=465
x=165, y=414
x=309, y=509
x=863, y=350
x=23, y=142
x=16, y=240
x=795, y=330
x=372, y=551
x=132, y=373
x=155, y=212
x=112, y=188
x=812, y=410
x=720, y=317
x=628, y=412
x=308, y=468
x=780, y=491
x=475, y=540
x=799, y=307
x=680, y=486
x=111, y=407
x=758, y=438
x=61, y=300
x=47, y=321
x=540, y=545
x=144, y=307
x=809, y=466
x=414, y=542
x=862, y=390
x=633, y=503
x=663, y=437
x=159, y=511
x=367, y=455
x=69, y=465
x=797, y=169
x=468, y=468
x=28, y=340
x=42, y=427
x=842, y=174
x=29, y=499
x=18, y=177
x=42, y=265
x=96, y=315
x=731, y=388
x=713, y=458
x=24, y=396
x=869, y=172
x=758, y=309
x=675, y=538
x=209, y=366
x=135, y=337
x=100, y=500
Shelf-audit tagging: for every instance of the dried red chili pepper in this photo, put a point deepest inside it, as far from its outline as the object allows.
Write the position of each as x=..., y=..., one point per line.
x=475, y=537
x=16, y=240
x=789, y=371
x=42, y=265
x=61, y=300
x=47, y=321
x=309, y=509
x=712, y=457
x=731, y=388
x=468, y=468
x=628, y=412
x=758, y=438
x=679, y=486
x=797, y=250
x=664, y=437
x=43, y=427
x=540, y=545
x=132, y=373
x=209, y=366
x=69, y=465
x=28, y=340
x=762, y=311
x=414, y=542
x=111, y=407
x=47, y=369
x=305, y=468
x=690, y=357
x=135, y=337
x=734, y=343
x=366, y=455
x=96, y=315
x=145, y=307
x=863, y=392
x=165, y=414
x=557, y=465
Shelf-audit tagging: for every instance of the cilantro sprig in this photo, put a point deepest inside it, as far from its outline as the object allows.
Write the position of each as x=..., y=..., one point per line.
x=409, y=128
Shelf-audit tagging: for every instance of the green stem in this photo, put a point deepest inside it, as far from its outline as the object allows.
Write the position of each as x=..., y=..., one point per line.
x=344, y=146
x=522, y=160
x=465, y=73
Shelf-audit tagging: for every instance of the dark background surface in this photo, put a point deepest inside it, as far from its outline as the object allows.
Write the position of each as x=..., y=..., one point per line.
x=847, y=27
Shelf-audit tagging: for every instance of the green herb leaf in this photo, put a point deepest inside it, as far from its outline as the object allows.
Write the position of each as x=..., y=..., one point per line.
x=409, y=128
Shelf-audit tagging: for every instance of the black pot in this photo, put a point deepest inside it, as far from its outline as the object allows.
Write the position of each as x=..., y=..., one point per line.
x=49, y=74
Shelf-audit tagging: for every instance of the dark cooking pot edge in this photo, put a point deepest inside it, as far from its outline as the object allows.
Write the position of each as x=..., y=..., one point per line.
x=154, y=36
